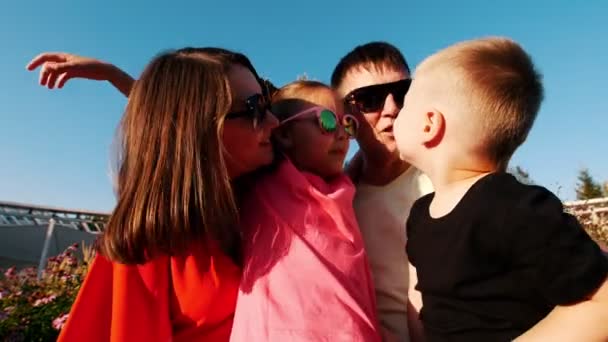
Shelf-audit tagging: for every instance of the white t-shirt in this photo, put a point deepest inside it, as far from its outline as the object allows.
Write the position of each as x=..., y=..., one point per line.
x=382, y=212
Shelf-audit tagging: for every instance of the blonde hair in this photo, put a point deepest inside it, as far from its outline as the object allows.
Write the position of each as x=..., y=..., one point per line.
x=302, y=94
x=173, y=187
x=501, y=86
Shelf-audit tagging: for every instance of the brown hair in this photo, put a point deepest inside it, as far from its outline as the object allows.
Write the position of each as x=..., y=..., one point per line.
x=373, y=55
x=502, y=87
x=173, y=186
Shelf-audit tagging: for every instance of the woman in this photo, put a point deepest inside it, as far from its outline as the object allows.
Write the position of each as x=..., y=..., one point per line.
x=168, y=262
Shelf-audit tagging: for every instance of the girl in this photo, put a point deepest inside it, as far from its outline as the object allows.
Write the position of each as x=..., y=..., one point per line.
x=306, y=275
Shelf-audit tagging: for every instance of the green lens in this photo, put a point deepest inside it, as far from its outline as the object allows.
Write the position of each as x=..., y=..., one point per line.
x=350, y=126
x=327, y=120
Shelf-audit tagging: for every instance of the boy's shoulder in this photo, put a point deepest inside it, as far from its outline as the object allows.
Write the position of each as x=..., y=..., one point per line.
x=497, y=200
x=503, y=190
x=494, y=202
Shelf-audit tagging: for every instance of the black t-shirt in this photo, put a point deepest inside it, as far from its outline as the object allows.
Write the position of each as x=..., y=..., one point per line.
x=500, y=261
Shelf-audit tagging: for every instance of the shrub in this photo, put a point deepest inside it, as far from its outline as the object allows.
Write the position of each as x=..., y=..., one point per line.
x=34, y=309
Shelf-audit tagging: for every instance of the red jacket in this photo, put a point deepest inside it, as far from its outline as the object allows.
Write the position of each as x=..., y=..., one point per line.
x=186, y=298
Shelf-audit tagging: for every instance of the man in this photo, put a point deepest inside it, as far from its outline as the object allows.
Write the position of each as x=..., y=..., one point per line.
x=373, y=79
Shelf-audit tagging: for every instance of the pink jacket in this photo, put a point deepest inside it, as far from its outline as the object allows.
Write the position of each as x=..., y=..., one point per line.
x=306, y=275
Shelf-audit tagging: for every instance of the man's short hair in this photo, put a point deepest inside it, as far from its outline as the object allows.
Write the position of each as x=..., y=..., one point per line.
x=374, y=55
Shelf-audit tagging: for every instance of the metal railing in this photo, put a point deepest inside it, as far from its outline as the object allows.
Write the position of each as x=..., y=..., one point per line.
x=44, y=225
x=27, y=226
x=19, y=214
x=593, y=209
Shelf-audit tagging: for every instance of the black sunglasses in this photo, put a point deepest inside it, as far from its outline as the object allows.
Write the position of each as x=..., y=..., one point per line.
x=257, y=110
x=371, y=98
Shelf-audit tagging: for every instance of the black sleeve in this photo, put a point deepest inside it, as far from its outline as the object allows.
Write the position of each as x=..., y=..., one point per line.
x=563, y=262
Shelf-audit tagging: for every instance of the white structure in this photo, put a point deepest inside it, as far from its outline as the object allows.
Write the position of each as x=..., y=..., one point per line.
x=591, y=210
x=29, y=233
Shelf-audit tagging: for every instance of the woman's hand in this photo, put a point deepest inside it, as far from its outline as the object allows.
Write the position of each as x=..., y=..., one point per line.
x=58, y=67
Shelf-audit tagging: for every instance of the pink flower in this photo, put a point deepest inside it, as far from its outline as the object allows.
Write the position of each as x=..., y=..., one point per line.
x=71, y=261
x=73, y=248
x=45, y=300
x=10, y=272
x=29, y=272
x=60, y=321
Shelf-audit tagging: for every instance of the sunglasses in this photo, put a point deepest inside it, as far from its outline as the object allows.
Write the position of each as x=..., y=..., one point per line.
x=328, y=121
x=372, y=98
x=257, y=110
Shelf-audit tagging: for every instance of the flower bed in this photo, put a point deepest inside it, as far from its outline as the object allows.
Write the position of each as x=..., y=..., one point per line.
x=34, y=309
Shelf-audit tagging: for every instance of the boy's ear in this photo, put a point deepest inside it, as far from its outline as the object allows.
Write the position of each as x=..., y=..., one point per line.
x=434, y=127
x=283, y=137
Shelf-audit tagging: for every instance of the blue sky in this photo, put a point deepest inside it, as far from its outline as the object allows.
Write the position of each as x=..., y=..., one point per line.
x=55, y=144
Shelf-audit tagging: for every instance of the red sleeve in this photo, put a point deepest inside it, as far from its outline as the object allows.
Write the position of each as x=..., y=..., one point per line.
x=121, y=303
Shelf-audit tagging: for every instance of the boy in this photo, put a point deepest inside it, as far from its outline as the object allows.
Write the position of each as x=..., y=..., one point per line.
x=493, y=256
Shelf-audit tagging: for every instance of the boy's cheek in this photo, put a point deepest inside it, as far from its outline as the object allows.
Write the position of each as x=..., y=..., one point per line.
x=399, y=128
x=400, y=137
x=404, y=137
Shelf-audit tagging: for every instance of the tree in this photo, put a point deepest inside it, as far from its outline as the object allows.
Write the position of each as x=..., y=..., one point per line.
x=587, y=187
x=521, y=175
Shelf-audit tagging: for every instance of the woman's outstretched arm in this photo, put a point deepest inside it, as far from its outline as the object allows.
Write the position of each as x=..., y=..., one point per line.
x=56, y=68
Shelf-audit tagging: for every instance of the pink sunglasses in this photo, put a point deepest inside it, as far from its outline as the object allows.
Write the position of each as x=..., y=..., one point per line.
x=328, y=120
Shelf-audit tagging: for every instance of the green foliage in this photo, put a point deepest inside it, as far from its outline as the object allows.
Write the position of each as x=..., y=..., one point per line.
x=587, y=187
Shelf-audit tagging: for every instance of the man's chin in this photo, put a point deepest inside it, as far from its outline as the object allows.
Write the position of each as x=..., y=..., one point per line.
x=384, y=144
x=390, y=145
x=405, y=158
x=382, y=153
x=386, y=135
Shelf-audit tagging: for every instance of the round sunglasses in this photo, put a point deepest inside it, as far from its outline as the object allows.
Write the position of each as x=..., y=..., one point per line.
x=328, y=121
x=372, y=98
